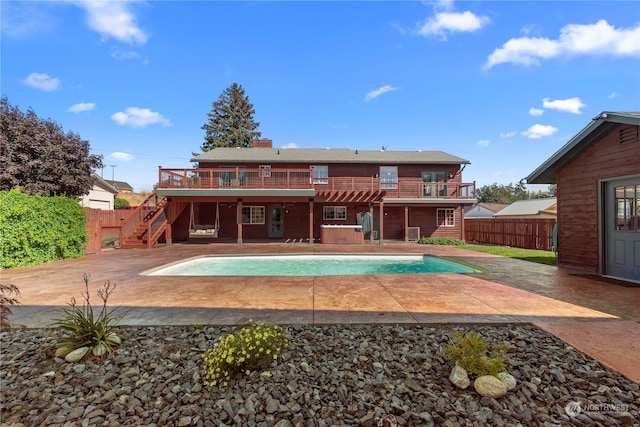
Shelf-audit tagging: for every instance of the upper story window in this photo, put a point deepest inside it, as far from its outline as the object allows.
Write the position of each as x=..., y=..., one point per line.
x=320, y=174
x=388, y=177
x=432, y=184
x=265, y=170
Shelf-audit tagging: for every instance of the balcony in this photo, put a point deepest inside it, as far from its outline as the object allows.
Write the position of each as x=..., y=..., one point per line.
x=329, y=188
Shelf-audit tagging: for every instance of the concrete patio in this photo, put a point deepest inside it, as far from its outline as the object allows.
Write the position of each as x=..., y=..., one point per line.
x=601, y=319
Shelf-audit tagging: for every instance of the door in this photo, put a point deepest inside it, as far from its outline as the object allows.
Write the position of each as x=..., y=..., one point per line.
x=622, y=228
x=276, y=221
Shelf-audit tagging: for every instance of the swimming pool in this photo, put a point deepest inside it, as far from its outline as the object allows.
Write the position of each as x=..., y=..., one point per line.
x=311, y=265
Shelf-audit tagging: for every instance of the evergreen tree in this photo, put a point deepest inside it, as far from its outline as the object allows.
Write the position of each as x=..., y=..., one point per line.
x=39, y=157
x=231, y=121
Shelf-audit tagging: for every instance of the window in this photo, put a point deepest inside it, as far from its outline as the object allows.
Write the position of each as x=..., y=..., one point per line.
x=265, y=170
x=628, y=208
x=228, y=179
x=253, y=214
x=320, y=174
x=430, y=186
x=388, y=177
x=446, y=218
x=335, y=212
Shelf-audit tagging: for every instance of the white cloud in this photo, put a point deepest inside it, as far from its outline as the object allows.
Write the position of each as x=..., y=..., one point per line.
x=539, y=131
x=113, y=19
x=42, y=81
x=483, y=142
x=118, y=155
x=571, y=105
x=123, y=55
x=508, y=134
x=376, y=93
x=574, y=39
x=139, y=117
x=613, y=95
x=290, y=145
x=83, y=106
x=535, y=112
x=445, y=22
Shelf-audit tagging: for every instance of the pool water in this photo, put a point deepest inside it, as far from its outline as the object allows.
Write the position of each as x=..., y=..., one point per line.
x=311, y=265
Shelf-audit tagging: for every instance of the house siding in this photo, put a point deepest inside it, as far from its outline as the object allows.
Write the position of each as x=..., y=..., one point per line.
x=360, y=198
x=578, y=205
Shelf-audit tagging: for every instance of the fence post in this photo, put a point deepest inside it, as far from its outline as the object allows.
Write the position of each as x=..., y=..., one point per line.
x=121, y=234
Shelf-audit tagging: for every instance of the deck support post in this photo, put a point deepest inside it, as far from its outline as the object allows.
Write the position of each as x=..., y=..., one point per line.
x=371, y=222
x=311, y=221
x=239, y=220
x=406, y=223
x=380, y=237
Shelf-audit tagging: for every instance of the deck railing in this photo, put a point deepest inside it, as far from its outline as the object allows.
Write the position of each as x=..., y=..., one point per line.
x=246, y=178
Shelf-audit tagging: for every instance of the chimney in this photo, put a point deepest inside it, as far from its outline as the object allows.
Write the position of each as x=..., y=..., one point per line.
x=262, y=143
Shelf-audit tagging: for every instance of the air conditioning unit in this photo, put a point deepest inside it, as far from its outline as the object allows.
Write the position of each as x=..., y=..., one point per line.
x=413, y=234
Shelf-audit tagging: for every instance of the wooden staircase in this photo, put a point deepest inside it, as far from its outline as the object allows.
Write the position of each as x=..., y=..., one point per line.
x=146, y=224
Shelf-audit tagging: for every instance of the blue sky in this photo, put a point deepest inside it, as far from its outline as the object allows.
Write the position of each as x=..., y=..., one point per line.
x=502, y=84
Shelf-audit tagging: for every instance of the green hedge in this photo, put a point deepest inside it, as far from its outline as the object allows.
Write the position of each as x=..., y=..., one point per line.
x=35, y=229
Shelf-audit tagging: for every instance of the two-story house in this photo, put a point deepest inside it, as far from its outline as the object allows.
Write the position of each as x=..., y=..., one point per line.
x=275, y=194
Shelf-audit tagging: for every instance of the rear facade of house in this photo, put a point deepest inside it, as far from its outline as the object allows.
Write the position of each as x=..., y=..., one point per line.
x=310, y=195
x=598, y=179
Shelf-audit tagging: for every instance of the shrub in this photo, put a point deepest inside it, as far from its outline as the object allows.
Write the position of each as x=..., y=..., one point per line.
x=449, y=241
x=254, y=347
x=6, y=301
x=80, y=327
x=474, y=353
x=120, y=203
x=35, y=229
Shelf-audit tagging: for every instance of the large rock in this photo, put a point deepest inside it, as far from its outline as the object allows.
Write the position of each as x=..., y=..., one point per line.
x=459, y=377
x=77, y=354
x=508, y=380
x=490, y=386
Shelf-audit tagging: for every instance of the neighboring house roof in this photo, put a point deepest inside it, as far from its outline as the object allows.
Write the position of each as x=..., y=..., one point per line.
x=120, y=185
x=529, y=207
x=483, y=209
x=97, y=181
x=328, y=155
x=592, y=133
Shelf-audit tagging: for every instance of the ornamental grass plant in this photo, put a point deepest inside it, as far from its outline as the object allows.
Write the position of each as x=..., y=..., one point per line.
x=254, y=348
x=6, y=301
x=83, y=330
x=476, y=355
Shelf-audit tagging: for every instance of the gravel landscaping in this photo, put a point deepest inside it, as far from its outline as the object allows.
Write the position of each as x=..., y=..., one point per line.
x=363, y=375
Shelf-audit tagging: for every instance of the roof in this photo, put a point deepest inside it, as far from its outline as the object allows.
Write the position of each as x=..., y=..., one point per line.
x=119, y=184
x=528, y=207
x=592, y=133
x=103, y=184
x=328, y=155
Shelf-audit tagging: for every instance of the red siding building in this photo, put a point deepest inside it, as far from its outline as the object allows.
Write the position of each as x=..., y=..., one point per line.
x=315, y=195
x=598, y=177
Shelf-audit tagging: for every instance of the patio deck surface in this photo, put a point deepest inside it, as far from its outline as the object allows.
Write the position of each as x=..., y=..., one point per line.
x=600, y=319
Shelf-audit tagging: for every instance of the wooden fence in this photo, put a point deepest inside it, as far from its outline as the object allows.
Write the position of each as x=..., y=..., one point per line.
x=103, y=228
x=530, y=233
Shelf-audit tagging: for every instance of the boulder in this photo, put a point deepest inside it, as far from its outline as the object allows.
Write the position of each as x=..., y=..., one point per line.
x=459, y=377
x=508, y=380
x=77, y=354
x=490, y=386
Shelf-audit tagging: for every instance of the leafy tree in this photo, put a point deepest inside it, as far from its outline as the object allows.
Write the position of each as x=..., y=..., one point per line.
x=507, y=194
x=231, y=121
x=496, y=193
x=39, y=157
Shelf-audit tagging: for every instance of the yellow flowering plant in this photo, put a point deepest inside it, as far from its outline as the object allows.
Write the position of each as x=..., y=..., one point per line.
x=254, y=347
